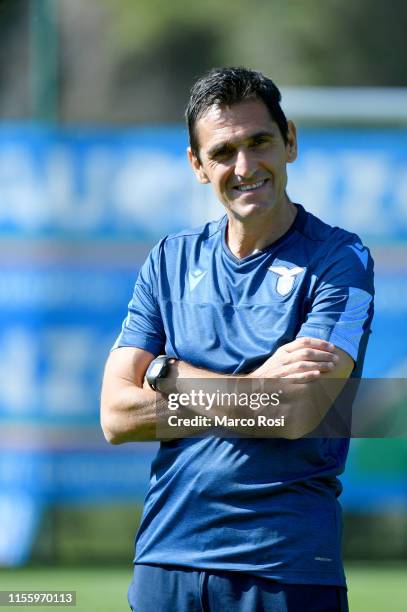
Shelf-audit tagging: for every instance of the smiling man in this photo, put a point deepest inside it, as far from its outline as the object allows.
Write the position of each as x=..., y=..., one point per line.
x=267, y=292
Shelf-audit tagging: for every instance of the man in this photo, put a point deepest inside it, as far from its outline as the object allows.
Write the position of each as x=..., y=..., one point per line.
x=269, y=291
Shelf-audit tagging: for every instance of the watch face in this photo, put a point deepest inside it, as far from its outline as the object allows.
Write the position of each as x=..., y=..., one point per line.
x=155, y=370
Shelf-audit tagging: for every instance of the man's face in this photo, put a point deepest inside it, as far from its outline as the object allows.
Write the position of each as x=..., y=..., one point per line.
x=243, y=155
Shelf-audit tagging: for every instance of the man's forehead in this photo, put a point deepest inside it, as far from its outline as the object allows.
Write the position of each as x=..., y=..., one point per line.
x=235, y=113
x=227, y=123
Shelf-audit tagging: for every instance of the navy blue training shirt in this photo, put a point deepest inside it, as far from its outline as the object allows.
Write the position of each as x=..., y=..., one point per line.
x=266, y=506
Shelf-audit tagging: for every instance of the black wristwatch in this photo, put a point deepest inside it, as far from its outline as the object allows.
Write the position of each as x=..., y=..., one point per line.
x=157, y=369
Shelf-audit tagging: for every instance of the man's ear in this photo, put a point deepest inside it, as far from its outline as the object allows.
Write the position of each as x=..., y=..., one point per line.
x=197, y=167
x=292, y=148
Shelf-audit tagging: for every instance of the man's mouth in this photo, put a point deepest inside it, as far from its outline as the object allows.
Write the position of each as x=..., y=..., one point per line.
x=250, y=186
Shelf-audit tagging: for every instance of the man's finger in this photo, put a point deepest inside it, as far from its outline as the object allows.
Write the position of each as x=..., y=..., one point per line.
x=309, y=366
x=309, y=354
x=306, y=342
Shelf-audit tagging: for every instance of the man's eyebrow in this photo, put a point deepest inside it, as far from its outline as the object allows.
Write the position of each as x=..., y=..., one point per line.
x=262, y=134
x=219, y=148
x=228, y=144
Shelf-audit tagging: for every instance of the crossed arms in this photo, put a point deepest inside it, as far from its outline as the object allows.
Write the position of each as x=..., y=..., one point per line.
x=129, y=406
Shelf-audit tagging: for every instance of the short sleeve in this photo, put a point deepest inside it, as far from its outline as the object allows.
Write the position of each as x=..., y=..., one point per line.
x=143, y=326
x=341, y=302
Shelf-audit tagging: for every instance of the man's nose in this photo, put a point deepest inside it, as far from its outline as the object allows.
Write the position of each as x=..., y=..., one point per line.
x=244, y=164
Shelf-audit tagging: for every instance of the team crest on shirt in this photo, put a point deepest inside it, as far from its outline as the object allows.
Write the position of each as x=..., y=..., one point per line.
x=286, y=278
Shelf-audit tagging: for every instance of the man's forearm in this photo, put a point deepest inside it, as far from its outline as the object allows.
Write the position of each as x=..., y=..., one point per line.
x=303, y=405
x=132, y=413
x=129, y=407
x=133, y=417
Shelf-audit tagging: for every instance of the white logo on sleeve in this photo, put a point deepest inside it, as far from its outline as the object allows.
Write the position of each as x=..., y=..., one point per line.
x=286, y=278
x=195, y=277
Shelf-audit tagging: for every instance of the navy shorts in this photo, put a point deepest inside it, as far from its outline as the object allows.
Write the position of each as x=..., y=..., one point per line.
x=166, y=589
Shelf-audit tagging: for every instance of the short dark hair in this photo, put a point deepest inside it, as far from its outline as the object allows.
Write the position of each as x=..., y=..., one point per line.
x=228, y=86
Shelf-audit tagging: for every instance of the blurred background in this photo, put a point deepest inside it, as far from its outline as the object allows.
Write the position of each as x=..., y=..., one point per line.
x=93, y=172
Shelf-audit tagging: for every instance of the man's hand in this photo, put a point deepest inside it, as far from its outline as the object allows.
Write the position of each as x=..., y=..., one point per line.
x=304, y=359
x=307, y=361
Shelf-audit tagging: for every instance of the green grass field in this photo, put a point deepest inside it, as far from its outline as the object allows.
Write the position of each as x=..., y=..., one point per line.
x=372, y=588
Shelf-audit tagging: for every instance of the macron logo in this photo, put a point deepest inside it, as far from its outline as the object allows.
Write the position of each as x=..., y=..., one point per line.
x=286, y=278
x=361, y=252
x=195, y=277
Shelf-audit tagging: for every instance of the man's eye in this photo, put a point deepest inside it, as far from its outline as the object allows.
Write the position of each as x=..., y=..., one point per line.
x=222, y=154
x=260, y=142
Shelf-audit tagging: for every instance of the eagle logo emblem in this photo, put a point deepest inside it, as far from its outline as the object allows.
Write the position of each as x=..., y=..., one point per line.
x=286, y=278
